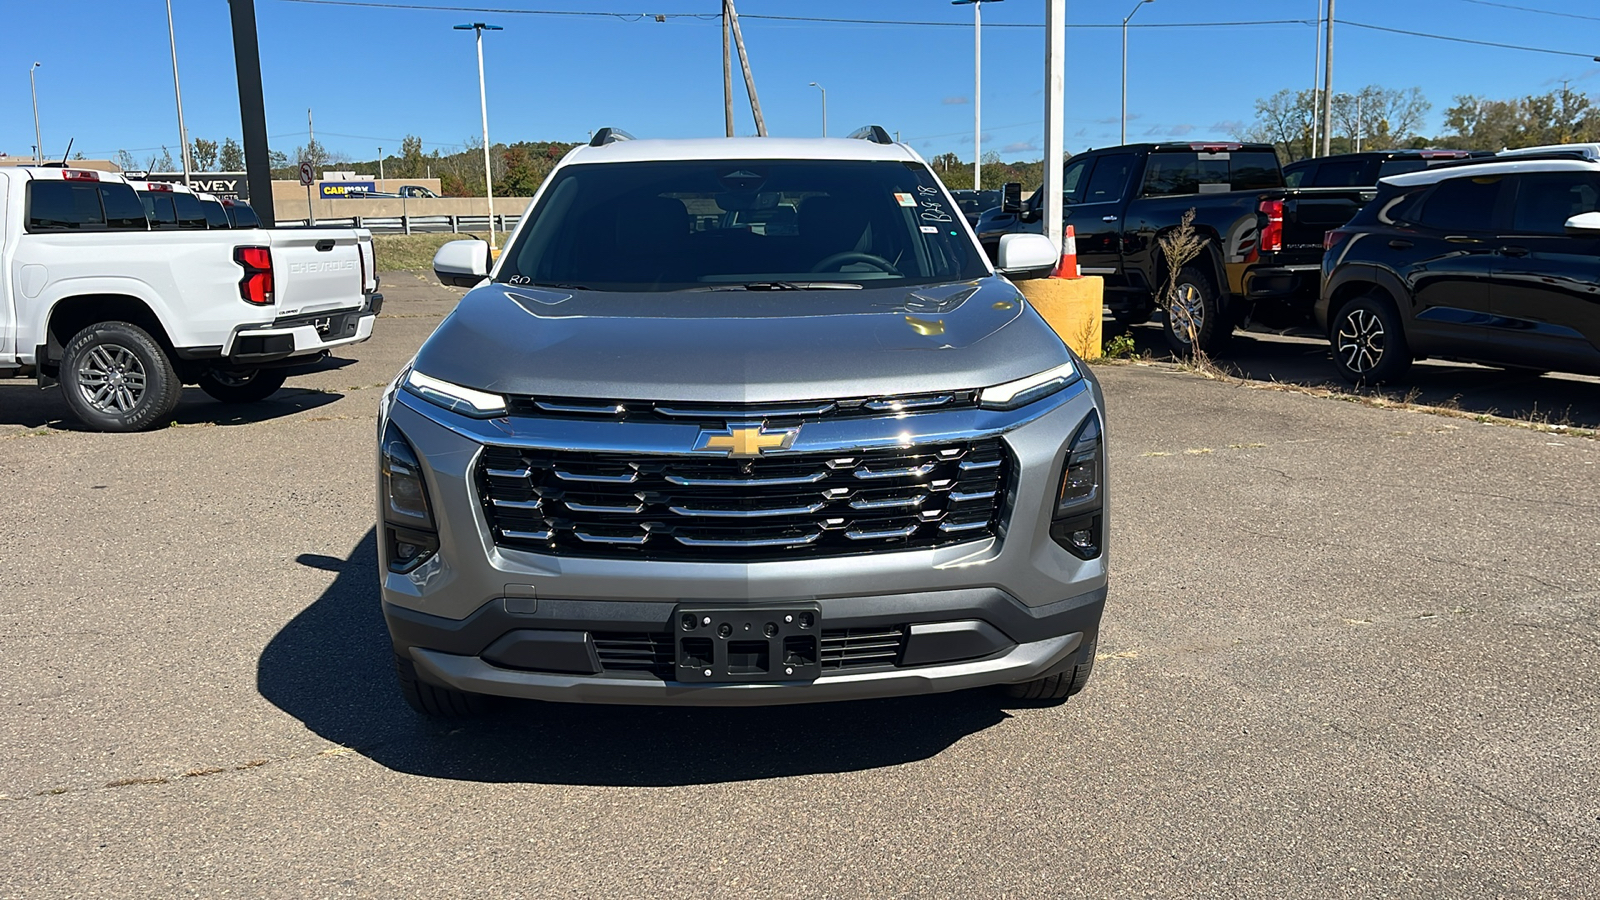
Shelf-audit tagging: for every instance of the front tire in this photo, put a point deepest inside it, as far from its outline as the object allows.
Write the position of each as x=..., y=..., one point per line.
x=1368, y=341
x=1063, y=684
x=115, y=377
x=435, y=701
x=1197, y=302
x=242, y=387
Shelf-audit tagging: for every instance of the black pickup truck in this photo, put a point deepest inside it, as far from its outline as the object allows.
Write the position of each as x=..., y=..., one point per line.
x=1263, y=253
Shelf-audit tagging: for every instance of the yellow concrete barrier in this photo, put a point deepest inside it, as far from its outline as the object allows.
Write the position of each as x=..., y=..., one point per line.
x=1073, y=307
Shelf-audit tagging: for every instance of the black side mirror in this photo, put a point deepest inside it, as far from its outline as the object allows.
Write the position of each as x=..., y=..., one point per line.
x=1011, y=197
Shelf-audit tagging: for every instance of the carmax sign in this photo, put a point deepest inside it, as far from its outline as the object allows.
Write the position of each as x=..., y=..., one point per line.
x=333, y=189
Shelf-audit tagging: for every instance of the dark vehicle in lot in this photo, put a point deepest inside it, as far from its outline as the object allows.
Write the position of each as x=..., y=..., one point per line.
x=973, y=203
x=1495, y=263
x=1263, y=246
x=1364, y=169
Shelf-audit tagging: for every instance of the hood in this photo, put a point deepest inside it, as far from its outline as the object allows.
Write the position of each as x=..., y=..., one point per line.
x=741, y=346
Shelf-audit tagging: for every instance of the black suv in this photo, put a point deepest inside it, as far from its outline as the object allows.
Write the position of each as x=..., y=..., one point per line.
x=1495, y=262
x=1365, y=168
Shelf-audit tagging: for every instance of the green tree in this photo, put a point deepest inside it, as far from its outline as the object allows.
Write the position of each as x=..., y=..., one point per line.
x=411, y=164
x=1559, y=117
x=204, y=154
x=1383, y=118
x=231, y=156
x=126, y=162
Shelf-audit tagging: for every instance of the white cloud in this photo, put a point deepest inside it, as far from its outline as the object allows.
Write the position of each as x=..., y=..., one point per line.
x=955, y=101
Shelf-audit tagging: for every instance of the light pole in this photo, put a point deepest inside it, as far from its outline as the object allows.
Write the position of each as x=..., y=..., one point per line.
x=380, y=168
x=1136, y=8
x=183, y=133
x=977, y=86
x=483, y=101
x=824, y=107
x=38, y=142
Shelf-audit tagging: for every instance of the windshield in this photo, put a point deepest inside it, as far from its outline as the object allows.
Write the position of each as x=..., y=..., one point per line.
x=708, y=224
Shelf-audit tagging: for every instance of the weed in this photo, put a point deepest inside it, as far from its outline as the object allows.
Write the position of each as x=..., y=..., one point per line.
x=1121, y=347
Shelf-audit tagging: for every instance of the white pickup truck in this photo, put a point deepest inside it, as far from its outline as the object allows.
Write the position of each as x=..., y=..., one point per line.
x=123, y=312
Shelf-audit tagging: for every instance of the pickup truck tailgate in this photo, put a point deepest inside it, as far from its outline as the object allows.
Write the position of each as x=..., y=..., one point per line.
x=1310, y=213
x=316, y=270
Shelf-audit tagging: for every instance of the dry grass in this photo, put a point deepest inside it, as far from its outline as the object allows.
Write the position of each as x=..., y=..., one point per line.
x=411, y=252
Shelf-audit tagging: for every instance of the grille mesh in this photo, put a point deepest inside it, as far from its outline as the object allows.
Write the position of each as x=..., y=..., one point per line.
x=780, y=506
x=842, y=648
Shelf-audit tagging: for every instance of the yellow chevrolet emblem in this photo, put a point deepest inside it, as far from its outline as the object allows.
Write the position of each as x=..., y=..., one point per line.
x=748, y=441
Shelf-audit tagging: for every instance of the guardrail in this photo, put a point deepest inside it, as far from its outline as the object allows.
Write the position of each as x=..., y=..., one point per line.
x=412, y=224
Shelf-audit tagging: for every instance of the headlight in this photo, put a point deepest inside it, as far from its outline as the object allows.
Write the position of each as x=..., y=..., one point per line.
x=454, y=397
x=409, y=528
x=1079, y=520
x=1023, y=391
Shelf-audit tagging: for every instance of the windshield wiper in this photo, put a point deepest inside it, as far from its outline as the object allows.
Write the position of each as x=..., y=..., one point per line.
x=786, y=286
x=552, y=284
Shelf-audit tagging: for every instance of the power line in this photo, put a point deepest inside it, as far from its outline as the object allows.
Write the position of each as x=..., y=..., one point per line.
x=1545, y=12
x=426, y=7
x=1461, y=40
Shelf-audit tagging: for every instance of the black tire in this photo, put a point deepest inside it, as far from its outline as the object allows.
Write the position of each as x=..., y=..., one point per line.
x=1062, y=684
x=1213, y=326
x=433, y=700
x=1369, y=342
x=115, y=377
x=242, y=387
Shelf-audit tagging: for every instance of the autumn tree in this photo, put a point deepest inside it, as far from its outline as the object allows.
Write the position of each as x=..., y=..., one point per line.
x=231, y=156
x=204, y=154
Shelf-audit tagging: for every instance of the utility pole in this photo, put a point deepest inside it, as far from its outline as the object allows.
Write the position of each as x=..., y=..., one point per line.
x=311, y=140
x=977, y=86
x=252, y=109
x=1055, y=92
x=1316, y=89
x=727, y=70
x=744, y=63
x=183, y=133
x=1136, y=8
x=1361, y=127
x=38, y=142
x=380, y=169
x=483, y=102
x=1327, y=87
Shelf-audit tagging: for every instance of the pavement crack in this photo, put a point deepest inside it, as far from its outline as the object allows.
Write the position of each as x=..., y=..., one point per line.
x=176, y=777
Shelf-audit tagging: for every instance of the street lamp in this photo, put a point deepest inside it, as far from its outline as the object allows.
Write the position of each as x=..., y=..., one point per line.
x=183, y=133
x=38, y=143
x=1136, y=8
x=824, y=107
x=977, y=86
x=483, y=101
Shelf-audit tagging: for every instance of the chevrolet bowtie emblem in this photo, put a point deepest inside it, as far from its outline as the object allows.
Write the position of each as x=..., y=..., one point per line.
x=747, y=441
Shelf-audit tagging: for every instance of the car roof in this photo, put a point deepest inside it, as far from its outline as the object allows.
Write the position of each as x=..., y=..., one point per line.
x=57, y=173
x=650, y=150
x=1408, y=153
x=144, y=185
x=1490, y=166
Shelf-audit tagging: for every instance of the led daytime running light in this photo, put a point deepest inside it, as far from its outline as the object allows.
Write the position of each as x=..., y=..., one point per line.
x=454, y=397
x=1026, y=390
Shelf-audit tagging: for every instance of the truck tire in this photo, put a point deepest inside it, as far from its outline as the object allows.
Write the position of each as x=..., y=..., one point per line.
x=242, y=387
x=115, y=377
x=433, y=700
x=1062, y=684
x=1199, y=298
x=1368, y=342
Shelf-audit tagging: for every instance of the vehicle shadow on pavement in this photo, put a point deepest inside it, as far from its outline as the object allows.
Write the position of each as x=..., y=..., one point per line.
x=1460, y=387
x=22, y=403
x=330, y=667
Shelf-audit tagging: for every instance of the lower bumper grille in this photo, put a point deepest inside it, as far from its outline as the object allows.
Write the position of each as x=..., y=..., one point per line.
x=842, y=648
x=778, y=506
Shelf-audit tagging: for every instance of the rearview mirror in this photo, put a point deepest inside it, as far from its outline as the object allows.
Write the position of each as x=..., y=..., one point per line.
x=462, y=263
x=1584, y=225
x=1011, y=197
x=1025, y=254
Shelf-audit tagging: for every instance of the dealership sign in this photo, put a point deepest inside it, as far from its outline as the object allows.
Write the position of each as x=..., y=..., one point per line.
x=223, y=184
x=330, y=190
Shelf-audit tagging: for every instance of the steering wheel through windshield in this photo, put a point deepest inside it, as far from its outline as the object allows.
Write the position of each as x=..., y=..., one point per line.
x=835, y=262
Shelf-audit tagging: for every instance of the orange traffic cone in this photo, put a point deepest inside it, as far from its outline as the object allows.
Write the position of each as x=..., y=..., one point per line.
x=1068, y=267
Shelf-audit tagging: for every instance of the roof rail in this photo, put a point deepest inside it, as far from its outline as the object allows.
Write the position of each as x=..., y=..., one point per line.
x=1546, y=155
x=609, y=136
x=873, y=133
x=1556, y=151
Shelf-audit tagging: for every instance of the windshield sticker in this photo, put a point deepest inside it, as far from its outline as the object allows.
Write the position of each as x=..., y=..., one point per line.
x=933, y=211
x=927, y=191
x=929, y=229
x=905, y=199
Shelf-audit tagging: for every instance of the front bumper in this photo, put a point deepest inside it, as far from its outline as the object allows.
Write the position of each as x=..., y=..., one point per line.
x=996, y=640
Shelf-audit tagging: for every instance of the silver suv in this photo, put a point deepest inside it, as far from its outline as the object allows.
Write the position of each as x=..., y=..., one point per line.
x=740, y=422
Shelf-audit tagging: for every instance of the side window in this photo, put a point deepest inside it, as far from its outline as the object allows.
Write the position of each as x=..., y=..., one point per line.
x=190, y=213
x=1110, y=178
x=1345, y=173
x=1255, y=171
x=1176, y=174
x=216, y=216
x=245, y=217
x=158, y=209
x=1546, y=200
x=124, y=212
x=1462, y=204
x=1073, y=180
x=64, y=206
x=1402, y=166
x=1293, y=177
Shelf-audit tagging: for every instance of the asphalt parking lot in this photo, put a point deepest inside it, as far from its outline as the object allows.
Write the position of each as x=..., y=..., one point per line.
x=1348, y=652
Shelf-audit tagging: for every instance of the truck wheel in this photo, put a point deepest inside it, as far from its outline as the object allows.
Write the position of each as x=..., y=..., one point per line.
x=433, y=700
x=1197, y=302
x=242, y=387
x=1062, y=684
x=115, y=377
x=1369, y=343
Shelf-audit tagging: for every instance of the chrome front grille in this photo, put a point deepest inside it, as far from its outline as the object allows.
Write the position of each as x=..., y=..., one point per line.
x=773, y=507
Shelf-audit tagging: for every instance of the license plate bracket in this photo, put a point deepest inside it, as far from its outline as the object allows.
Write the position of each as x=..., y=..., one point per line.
x=743, y=644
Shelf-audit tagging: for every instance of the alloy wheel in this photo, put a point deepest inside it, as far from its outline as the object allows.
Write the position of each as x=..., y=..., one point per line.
x=111, y=378
x=1360, y=341
x=1188, y=312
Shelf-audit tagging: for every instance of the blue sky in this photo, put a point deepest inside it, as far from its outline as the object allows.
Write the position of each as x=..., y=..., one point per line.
x=374, y=75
